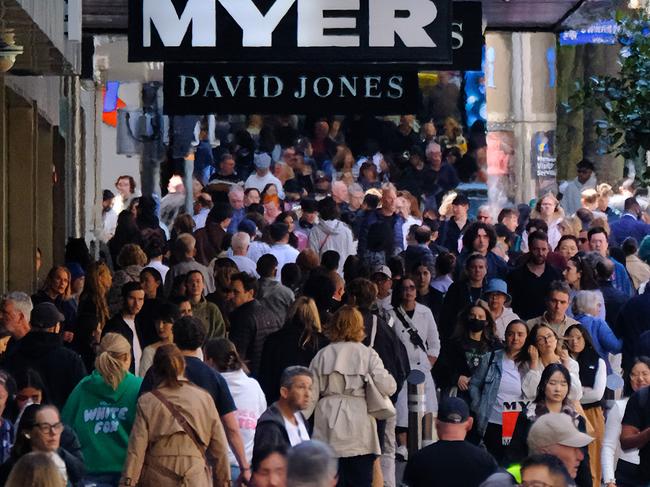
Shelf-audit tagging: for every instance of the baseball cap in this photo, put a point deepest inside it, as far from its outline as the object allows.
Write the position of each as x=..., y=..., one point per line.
x=383, y=269
x=555, y=429
x=262, y=160
x=45, y=315
x=453, y=410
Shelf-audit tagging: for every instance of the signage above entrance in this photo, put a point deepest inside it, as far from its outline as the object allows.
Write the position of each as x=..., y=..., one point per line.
x=407, y=32
x=197, y=89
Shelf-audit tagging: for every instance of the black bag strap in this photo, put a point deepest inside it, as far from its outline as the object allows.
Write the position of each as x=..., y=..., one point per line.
x=408, y=326
x=182, y=421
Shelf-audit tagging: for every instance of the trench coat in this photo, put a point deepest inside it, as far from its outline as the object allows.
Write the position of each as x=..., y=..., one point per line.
x=341, y=416
x=158, y=444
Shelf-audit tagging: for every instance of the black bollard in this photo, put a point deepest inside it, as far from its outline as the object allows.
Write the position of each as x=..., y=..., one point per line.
x=416, y=403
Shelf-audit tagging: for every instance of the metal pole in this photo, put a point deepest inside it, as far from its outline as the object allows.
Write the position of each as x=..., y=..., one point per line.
x=152, y=145
x=416, y=406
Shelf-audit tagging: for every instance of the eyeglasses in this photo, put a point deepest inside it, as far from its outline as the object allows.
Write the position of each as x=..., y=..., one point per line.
x=49, y=428
x=545, y=338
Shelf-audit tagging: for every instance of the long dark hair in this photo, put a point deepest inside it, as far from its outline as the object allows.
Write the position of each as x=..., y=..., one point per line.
x=461, y=332
x=588, y=280
x=546, y=377
x=588, y=358
x=23, y=444
x=224, y=355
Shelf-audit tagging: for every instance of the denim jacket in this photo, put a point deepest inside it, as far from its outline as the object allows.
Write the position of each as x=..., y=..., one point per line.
x=484, y=387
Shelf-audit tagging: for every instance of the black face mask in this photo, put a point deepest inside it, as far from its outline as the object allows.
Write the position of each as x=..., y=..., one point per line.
x=476, y=325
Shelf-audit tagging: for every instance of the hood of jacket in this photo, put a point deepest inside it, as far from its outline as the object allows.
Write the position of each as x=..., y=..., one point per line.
x=272, y=415
x=95, y=386
x=329, y=227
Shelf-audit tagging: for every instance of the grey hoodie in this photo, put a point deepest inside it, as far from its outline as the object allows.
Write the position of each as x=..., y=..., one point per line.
x=333, y=235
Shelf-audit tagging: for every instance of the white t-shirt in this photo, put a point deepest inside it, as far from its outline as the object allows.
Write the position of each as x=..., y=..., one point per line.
x=297, y=433
x=259, y=183
x=285, y=254
x=251, y=403
x=509, y=389
x=137, y=349
x=244, y=264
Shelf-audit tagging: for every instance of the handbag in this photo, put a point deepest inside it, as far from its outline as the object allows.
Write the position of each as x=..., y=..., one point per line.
x=379, y=405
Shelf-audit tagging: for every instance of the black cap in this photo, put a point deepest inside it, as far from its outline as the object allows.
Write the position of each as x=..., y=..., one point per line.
x=107, y=195
x=453, y=410
x=45, y=315
x=460, y=199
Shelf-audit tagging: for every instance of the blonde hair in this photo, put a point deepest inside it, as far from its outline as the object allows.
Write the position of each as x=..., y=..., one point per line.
x=96, y=290
x=604, y=190
x=110, y=363
x=589, y=196
x=52, y=275
x=131, y=254
x=36, y=469
x=304, y=312
x=347, y=325
x=570, y=225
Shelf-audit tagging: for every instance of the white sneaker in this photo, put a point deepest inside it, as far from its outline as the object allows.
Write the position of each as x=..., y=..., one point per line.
x=402, y=453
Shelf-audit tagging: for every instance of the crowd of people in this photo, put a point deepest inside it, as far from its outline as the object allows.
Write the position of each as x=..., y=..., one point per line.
x=266, y=337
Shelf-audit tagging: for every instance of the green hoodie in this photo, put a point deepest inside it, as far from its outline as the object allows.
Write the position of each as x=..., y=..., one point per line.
x=103, y=418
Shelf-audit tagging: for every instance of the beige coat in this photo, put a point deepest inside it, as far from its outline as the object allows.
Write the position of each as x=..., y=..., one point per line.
x=158, y=440
x=341, y=416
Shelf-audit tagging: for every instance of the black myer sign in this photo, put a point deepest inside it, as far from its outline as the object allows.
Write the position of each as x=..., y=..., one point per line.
x=204, y=88
x=405, y=32
x=466, y=37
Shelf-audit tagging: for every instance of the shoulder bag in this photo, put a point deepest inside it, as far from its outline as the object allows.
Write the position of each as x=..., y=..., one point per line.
x=379, y=405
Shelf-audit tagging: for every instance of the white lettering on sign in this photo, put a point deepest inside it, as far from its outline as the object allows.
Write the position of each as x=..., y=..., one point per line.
x=387, y=20
x=275, y=86
x=312, y=22
x=457, y=39
x=258, y=29
x=172, y=28
x=384, y=24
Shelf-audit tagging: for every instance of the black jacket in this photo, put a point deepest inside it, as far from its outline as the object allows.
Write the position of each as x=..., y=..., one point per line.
x=281, y=350
x=60, y=368
x=250, y=324
x=117, y=325
x=270, y=430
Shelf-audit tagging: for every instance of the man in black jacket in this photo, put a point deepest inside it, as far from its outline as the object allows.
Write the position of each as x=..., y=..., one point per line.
x=124, y=322
x=250, y=322
x=283, y=424
x=383, y=339
x=42, y=350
